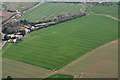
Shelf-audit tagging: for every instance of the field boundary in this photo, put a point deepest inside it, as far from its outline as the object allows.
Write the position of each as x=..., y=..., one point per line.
x=64, y=70
x=87, y=54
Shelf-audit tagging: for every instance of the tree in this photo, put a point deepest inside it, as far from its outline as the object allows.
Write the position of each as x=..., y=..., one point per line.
x=10, y=27
x=6, y=37
x=25, y=22
x=21, y=21
x=8, y=78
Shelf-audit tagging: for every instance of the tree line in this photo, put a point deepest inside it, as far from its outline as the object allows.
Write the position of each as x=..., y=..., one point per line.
x=16, y=26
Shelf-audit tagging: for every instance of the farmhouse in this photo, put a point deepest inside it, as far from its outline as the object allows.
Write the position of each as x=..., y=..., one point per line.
x=12, y=40
x=10, y=35
x=18, y=36
x=27, y=30
x=13, y=37
x=33, y=28
x=41, y=24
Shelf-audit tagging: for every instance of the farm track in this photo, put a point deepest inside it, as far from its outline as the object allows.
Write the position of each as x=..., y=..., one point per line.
x=106, y=15
x=83, y=8
x=109, y=16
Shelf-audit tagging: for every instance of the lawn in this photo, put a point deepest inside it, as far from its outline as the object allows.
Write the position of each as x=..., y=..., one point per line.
x=56, y=46
x=49, y=10
x=108, y=10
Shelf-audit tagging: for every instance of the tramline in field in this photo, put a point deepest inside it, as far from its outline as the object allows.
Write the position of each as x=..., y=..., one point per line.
x=67, y=40
x=56, y=46
x=47, y=11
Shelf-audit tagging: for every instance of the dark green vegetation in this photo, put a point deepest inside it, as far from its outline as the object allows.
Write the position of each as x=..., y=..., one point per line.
x=60, y=77
x=56, y=46
x=49, y=10
x=108, y=10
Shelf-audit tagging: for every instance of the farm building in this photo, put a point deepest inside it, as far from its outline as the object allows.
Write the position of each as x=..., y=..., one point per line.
x=12, y=40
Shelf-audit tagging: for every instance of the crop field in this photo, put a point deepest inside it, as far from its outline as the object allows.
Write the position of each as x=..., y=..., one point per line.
x=108, y=10
x=18, y=5
x=19, y=69
x=56, y=46
x=49, y=10
x=60, y=77
x=100, y=62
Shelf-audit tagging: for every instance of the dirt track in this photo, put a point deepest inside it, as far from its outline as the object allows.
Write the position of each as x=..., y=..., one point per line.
x=109, y=16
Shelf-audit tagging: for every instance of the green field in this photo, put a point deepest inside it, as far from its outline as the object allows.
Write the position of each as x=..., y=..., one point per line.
x=49, y=10
x=57, y=46
x=60, y=77
x=108, y=10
